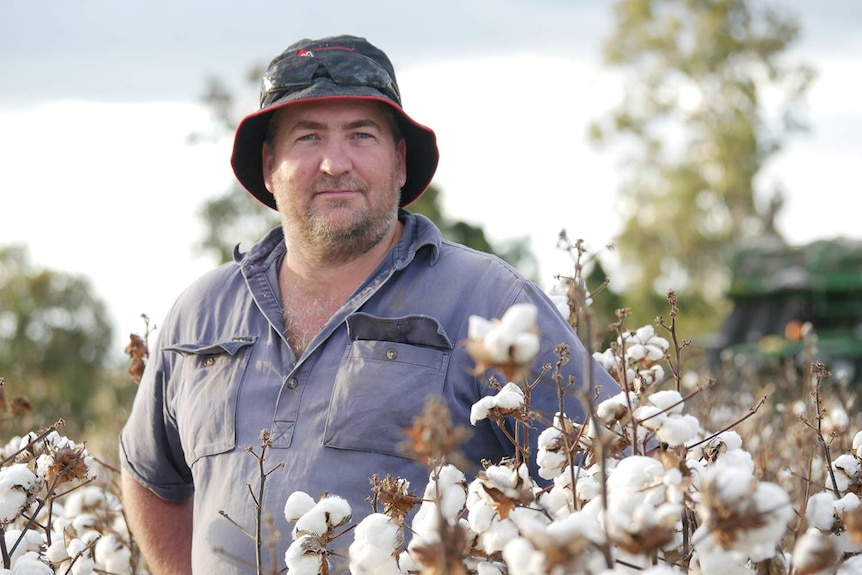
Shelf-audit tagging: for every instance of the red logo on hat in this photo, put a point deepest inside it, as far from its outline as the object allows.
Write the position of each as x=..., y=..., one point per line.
x=305, y=53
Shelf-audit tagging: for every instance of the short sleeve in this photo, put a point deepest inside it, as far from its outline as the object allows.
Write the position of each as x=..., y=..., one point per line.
x=150, y=447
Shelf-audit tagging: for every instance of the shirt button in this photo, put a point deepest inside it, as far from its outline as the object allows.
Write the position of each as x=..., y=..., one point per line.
x=292, y=383
x=209, y=361
x=391, y=354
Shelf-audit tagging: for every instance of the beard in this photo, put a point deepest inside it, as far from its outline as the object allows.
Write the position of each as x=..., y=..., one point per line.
x=342, y=231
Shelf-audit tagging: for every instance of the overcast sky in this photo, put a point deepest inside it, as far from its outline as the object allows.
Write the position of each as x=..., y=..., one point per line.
x=98, y=97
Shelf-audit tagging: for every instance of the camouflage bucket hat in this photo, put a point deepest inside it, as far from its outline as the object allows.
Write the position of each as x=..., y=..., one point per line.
x=330, y=68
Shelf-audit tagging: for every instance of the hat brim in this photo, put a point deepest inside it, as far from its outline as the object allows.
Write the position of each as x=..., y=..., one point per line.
x=247, y=158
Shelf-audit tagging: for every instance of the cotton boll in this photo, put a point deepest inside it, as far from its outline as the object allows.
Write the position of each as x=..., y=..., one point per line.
x=775, y=508
x=17, y=485
x=311, y=523
x=678, y=430
x=730, y=485
x=857, y=443
x=551, y=463
x=372, y=552
x=478, y=327
x=56, y=552
x=304, y=557
x=480, y=409
x=369, y=560
x=30, y=563
x=661, y=570
x=83, y=523
x=112, y=555
x=852, y=566
x=519, y=318
x=614, y=408
x=510, y=397
x=574, y=526
x=83, y=565
x=738, y=458
x=530, y=522
x=607, y=359
x=521, y=558
x=31, y=542
x=721, y=562
x=669, y=401
x=819, y=512
x=846, y=470
x=379, y=531
x=846, y=503
x=836, y=421
x=650, y=416
x=551, y=456
x=481, y=516
x=724, y=442
x=336, y=509
x=486, y=568
x=636, y=352
x=497, y=535
x=448, y=490
x=298, y=504
x=814, y=553
x=299, y=562
x=497, y=344
x=525, y=347
x=408, y=565
x=635, y=473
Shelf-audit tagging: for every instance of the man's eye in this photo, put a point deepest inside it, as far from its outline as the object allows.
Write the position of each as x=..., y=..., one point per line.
x=362, y=136
x=307, y=138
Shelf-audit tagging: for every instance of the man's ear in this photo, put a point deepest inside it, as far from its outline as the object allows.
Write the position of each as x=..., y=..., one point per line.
x=401, y=154
x=267, y=162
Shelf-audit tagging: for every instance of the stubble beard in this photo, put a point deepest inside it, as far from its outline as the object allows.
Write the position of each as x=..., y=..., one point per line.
x=331, y=240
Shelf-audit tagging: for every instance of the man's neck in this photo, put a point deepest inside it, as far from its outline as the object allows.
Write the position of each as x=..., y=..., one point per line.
x=318, y=274
x=312, y=291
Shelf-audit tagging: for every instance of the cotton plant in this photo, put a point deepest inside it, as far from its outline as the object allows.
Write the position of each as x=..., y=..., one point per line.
x=833, y=519
x=56, y=516
x=316, y=523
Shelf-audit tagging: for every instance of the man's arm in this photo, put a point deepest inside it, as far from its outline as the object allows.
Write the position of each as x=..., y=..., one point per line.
x=163, y=529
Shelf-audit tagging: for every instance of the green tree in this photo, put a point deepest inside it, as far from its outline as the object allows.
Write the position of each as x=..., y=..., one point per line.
x=708, y=100
x=54, y=338
x=234, y=217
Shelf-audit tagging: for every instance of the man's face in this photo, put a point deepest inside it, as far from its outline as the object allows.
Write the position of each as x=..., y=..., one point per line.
x=336, y=173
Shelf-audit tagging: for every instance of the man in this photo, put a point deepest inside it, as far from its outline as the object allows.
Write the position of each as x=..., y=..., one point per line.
x=331, y=333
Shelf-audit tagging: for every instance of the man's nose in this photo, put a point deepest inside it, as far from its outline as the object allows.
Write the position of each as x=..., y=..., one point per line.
x=336, y=159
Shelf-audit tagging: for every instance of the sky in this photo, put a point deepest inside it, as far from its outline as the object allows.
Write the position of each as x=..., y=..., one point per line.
x=98, y=98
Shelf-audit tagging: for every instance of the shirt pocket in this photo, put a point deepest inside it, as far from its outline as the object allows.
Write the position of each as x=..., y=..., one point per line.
x=210, y=378
x=389, y=370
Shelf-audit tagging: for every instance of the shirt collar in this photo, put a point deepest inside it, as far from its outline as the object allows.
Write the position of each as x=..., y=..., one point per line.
x=419, y=232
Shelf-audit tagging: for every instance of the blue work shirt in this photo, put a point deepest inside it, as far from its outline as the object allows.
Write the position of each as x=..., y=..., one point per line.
x=221, y=371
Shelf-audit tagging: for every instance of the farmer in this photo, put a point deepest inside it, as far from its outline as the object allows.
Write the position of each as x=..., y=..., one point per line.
x=331, y=333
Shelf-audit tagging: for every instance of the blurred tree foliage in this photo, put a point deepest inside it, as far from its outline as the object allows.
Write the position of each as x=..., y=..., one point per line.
x=234, y=217
x=54, y=338
x=708, y=100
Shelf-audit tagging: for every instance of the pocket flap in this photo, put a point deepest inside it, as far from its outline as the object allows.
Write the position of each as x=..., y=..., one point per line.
x=412, y=329
x=229, y=347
